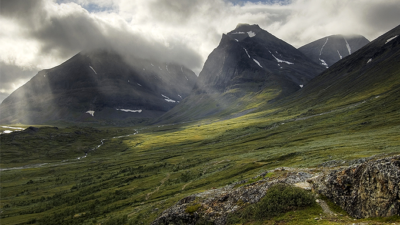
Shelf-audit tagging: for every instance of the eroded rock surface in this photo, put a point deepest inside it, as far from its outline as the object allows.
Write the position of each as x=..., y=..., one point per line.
x=214, y=205
x=370, y=189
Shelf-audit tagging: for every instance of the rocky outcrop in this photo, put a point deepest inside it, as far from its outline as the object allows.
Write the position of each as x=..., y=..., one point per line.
x=213, y=206
x=370, y=189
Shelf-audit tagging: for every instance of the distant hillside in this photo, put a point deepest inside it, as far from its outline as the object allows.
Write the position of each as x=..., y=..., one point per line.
x=328, y=50
x=97, y=86
x=372, y=71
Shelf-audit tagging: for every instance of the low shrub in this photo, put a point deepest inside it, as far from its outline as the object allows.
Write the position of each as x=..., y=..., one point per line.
x=193, y=208
x=278, y=200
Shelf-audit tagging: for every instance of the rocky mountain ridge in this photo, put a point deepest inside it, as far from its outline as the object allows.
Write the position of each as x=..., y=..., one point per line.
x=249, y=65
x=328, y=50
x=99, y=85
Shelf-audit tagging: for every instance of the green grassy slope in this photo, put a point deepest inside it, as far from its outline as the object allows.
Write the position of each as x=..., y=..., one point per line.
x=140, y=175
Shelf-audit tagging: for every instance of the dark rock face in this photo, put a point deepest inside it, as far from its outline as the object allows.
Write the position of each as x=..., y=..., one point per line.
x=102, y=82
x=371, y=189
x=250, y=54
x=328, y=50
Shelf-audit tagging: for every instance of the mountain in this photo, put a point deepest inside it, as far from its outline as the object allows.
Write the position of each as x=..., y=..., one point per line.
x=371, y=73
x=99, y=85
x=328, y=50
x=249, y=67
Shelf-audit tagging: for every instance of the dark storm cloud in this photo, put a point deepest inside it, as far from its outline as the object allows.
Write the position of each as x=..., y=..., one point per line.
x=180, y=12
x=3, y=96
x=9, y=73
x=63, y=35
x=69, y=34
x=380, y=17
x=22, y=10
x=11, y=77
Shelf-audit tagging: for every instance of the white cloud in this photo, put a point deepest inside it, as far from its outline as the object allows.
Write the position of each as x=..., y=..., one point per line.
x=42, y=34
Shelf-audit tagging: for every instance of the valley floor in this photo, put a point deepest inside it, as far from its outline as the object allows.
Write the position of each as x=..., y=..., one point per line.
x=131, y=179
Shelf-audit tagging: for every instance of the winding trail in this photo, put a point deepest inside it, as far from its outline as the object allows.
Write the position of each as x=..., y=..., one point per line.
x=325, y=207
x=184, y=186
x=64, y=161
x=158, y=188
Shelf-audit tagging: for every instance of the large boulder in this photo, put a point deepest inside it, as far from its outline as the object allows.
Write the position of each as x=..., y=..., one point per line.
x=370, y=189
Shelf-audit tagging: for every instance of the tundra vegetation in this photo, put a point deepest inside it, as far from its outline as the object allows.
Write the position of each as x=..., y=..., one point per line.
x=140, y=170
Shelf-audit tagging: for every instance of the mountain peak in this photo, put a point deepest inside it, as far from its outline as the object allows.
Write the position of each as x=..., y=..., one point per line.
x=246, y=27
x=328, y=50
x=241, y=24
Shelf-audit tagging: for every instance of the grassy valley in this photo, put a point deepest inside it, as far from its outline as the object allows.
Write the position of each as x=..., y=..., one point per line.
x=131, y=179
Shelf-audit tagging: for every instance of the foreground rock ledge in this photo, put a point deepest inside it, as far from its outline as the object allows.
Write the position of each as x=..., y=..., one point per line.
x=367, y=190
x=214, y=205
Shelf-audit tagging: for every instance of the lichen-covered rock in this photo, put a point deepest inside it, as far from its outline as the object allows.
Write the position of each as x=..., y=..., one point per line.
x=367, y=190
x=216, y=204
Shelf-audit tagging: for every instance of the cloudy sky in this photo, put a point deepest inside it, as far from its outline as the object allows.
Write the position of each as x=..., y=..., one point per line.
x=40, y=34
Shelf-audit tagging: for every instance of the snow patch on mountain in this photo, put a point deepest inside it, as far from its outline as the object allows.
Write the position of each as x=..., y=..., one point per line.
x=130, y=110
x=324, y=63
x=281, y=61
x=348, y=46
x=239, y=33
x=180, y=96
x=301, y=86
x=390, y=39
x=139, y=84
x=258, y=63
x=369, y=60
x=251, y=34
x=339, y=54
x=166, y=98
x=320, y=51
x=91, y=112
x=247, y=53
x=236, y=40
x=93, y=69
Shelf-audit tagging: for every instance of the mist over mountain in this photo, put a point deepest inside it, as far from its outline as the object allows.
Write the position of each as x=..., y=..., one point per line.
x=328, y=50
x=99, y=85
x=249, y=65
